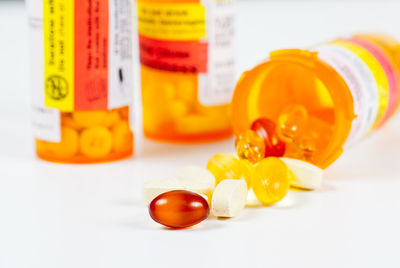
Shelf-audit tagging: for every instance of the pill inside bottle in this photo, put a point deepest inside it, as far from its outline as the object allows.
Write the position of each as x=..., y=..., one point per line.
x=316, y=97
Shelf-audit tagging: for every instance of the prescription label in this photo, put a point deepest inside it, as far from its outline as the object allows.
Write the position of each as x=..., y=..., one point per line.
x=378, y=73
x=81, y=58
x=191, y=38
x=173, y=56
x=58, y=27
x=46, y=124
x=390, y=73
x=87, y=54
x=217, y=85
x=361, y=83
x=120, y=63
x=172, y=36
x=91, y=52
x=45, y=121
x=167, y=21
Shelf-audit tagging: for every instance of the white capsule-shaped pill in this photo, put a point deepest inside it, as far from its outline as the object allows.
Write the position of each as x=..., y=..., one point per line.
x=229, y=198
x=197, y=179
x=305, y=175
x=192, y=179
x=154, y=188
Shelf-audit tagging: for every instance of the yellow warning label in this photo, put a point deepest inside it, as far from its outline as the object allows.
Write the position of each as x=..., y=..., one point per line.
x=58, y=25
x=178, y=22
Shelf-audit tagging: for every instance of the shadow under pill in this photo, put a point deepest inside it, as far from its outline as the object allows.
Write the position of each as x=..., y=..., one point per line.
x=204, y=225
x=325, y=187
x=142, y=221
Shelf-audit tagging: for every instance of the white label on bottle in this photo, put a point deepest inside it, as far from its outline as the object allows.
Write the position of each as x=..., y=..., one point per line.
x=35, y=13
x=361, y=83
x=217, y=85
x=46, y=124
x=45, y=121
x=120, y=53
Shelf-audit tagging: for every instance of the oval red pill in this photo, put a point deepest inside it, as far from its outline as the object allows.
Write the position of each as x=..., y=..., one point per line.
x=179, y=209
x=266, y=129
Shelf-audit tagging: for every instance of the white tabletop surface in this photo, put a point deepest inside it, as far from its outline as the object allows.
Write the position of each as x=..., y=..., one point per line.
x=56, y=216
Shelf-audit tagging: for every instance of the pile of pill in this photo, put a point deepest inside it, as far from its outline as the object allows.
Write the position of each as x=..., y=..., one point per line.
x=171, y=107
x=221, y=189
x=265, y=138
x=90, y=135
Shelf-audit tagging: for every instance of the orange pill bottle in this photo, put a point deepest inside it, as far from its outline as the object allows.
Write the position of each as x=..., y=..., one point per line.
x=187, y=68
x=81, y=79
x=345, y=89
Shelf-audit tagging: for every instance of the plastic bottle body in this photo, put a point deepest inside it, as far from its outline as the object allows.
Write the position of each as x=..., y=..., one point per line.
x=81, y=79
x=90, y=137
x=187, y=75
x=347, y=88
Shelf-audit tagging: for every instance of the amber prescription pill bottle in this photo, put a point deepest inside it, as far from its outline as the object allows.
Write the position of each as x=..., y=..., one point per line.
x=338, y=92
x=81, y=79
x=187, y=68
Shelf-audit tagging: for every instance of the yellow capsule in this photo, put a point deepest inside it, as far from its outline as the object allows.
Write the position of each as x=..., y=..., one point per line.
x=307, y=147
x=96, y=142
x=67, y=147
x=89, y=118
x=291, y=122
x=122, y=137
x=111, y=118
x=303, y=148
x=250, y=146
x=271, y=180
x=226, y=166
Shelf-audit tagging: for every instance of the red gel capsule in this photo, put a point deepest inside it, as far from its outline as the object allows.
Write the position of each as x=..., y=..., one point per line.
x=179, y=209
x=266, y=129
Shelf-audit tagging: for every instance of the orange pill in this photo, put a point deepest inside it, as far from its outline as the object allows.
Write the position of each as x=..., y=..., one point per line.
x=111, y=118
x=291, y=122
x=67, y=147
x=122, y=137
x=179, y=209
x=250, y=146
x=89, y=118
x=266, y=129
x=96, y=142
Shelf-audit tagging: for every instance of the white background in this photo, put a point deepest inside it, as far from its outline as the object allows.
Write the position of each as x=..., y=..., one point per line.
x=56, y=216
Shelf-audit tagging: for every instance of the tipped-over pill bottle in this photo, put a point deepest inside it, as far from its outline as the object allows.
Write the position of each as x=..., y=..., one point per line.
x=81, y=79
x=187, y=68
x=323, y=99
